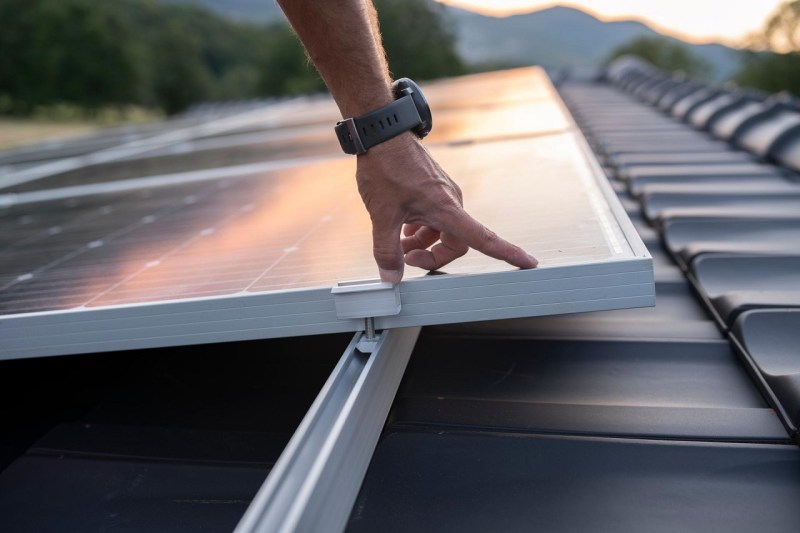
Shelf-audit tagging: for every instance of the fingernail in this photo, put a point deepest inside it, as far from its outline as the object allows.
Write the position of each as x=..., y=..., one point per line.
x=391, y=276
x=534, y=261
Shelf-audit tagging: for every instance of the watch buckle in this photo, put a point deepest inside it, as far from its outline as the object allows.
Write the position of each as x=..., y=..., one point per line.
x=352, y=130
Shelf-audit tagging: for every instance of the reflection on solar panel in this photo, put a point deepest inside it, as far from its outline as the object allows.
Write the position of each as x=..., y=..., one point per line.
x=483, y=108
x=220, y=255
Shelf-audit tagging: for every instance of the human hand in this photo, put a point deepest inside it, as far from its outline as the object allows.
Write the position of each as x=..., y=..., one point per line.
x=401, y=184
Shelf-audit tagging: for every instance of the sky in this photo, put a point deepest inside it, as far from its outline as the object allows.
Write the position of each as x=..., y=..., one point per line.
x=695, y=20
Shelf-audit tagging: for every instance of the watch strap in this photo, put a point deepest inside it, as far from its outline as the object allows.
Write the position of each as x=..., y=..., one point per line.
x=358, y=134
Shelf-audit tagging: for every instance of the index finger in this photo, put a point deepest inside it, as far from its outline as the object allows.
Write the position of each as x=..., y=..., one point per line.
x=477, y=236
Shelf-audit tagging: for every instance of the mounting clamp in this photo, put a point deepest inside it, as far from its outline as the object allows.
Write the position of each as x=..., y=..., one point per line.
x=366, y=300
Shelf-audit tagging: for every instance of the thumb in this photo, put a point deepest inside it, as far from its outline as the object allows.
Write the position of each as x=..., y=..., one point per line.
x=387, y=251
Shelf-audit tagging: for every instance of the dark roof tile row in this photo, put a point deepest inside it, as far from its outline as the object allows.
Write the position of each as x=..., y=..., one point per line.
x=715, y=174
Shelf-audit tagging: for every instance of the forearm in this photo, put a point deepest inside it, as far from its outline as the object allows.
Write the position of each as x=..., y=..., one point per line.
x=342, y=39
x=398, y=180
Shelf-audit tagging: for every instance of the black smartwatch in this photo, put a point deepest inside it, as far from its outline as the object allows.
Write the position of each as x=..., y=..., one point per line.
x=409, y=111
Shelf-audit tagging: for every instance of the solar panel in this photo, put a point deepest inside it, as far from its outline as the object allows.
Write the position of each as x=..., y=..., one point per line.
x=466, y=112
x=230, y=256
x=131, y=147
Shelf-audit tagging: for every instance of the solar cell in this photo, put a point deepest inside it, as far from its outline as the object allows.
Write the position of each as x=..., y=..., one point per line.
x=303, y=129
x=134, y=147
x=255, y=255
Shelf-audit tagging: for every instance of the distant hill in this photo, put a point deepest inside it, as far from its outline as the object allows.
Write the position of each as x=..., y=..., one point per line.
x=562, y=36
x=258, y=11
x=555, y=37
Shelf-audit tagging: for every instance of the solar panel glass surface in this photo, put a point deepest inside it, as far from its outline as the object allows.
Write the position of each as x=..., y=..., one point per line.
x=465, y=111
x=287, y=235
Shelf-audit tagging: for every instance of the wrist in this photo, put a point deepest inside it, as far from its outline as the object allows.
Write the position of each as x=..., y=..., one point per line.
x=366, y=103
x=393, y=147
x=408, y=111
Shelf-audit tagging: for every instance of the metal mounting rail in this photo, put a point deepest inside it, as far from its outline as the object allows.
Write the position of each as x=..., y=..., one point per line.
x=316, y=480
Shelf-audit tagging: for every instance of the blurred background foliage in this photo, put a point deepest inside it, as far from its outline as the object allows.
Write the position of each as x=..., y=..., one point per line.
x=664, y=53
x=772, y=63
x=119, y=58
x=770, y=60
x=94, y=55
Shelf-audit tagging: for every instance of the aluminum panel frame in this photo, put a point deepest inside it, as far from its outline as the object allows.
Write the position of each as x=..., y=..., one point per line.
x=431, y=300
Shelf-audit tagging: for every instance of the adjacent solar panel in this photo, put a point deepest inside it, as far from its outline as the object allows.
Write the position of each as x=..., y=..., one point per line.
x=472, y=108
x=247, y=256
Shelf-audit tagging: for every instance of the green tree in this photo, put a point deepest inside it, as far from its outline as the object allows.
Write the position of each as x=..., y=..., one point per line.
x=664, y=53
x=418, y=44
x=91, y=53
x=771, y=72
x=220, y=57
x=70, y=51
x=778, y=70
x=285, y=69
x=418, y=41
x=180, y=78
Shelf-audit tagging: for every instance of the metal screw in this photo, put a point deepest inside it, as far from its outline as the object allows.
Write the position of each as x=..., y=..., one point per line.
x=369, y=328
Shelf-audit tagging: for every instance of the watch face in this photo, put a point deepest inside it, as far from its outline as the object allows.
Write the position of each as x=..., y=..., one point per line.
x=405, y=86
